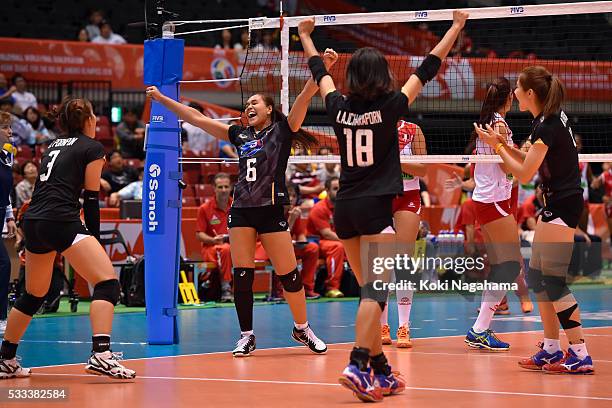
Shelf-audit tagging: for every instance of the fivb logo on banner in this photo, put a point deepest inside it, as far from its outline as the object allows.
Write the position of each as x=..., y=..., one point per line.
x=154, y=194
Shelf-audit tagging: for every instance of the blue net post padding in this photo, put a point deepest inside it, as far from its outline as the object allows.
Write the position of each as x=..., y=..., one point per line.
x=161, y=196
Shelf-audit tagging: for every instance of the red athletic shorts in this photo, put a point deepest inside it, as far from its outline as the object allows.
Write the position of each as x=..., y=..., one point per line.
x=410, y=201
x=489, y=212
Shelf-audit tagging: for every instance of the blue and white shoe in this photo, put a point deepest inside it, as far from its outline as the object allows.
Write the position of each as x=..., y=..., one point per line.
x=540, y=359
x=486, y=340
x=571, y=364
x=360, y=383
x=390, y=384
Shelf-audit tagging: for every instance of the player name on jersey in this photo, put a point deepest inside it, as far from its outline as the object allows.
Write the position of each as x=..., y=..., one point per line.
x=68, y=141
x=354, y=119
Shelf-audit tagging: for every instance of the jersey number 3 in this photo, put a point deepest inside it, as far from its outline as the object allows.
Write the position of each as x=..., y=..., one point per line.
x=53, y=155
x=364, y=140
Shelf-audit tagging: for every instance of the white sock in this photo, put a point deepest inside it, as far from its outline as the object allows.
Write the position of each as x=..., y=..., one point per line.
x=404, y=304
x=490, y=300
x=384, y=316
x=580, y=350
x=246, y=333
x=301, y=326
x=552, y=345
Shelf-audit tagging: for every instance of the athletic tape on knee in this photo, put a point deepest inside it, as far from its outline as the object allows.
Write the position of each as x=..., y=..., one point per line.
x=505, y=272
x=555, y=287
x=534, y=280
x=243, y=279
x=292, y=282
x=108, y=290
x=565, y=318
x=29, y=304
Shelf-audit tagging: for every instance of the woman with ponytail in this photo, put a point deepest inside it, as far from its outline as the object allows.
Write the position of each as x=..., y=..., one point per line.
x=554, y=154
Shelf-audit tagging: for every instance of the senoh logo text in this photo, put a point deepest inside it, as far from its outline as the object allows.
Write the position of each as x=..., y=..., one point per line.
x=153, y=194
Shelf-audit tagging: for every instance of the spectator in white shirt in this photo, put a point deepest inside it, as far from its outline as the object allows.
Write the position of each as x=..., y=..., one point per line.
x=198, y=141
x=23, y=99
x=244, y=41
x=83, y=36
x=226, y=41
x=132, y=191
x=93, y=28
x=107, y=36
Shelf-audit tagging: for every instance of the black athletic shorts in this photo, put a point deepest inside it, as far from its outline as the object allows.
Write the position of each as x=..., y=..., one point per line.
x=44, y=236
x=363, y=216
x=564, y=211
x=270, y=218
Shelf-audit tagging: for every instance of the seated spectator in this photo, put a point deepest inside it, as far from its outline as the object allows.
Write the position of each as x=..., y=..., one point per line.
x=605, y=180
x=34, y=119
x=212, y=232
x=25, y=188
x=198, y=141
x=4, y=91
x=23, y=134
x=131, y=133
x=326, y=170
x=107, y=36
x=132, y=191
x=474, y=245
x=243, y=45
x=321, y=224
x=118, y=175
x=227, y=150
x=23, y=98
x=527, y=215
x=267, y=43
x=586, y=256
x=82, y=36
x=93, y=28
x=226, y=41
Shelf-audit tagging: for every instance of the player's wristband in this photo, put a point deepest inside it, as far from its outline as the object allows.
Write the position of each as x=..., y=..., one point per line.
x=91, y=211
x=498, y=147
x=317, y=68
x=428, y=68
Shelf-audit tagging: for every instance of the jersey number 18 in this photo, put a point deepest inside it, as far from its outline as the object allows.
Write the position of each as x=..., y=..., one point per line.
x=363, y=150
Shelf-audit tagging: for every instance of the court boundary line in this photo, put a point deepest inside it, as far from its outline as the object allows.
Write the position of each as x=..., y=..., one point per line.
x=250, y=381
x=291, y=347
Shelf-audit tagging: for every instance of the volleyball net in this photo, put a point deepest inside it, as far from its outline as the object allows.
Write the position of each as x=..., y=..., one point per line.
x=571, y=40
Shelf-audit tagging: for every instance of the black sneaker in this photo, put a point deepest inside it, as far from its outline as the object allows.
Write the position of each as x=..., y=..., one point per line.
x=245, y=346
x=107, y=363
x=308, y=338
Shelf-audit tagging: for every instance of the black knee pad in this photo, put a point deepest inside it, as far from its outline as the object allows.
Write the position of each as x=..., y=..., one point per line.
x=292, y=282
x=565, y=318
x=534, y=280
x=243, y=279
x=555, y=287
x=505, y=272
x=29, y=304
x=108, y=290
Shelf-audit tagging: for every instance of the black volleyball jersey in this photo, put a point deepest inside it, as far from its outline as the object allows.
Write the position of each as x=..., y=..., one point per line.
x=559, y=171
x=62, y=175
x=263, y=160
x=367, y=137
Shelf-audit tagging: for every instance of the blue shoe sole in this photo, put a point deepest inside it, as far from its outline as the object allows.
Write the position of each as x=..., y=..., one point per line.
x=346, y=383
x=484, y=346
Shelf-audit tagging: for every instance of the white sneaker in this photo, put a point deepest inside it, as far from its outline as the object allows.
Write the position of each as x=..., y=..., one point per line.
x=309, y=339
x=107, y=363
x=245, y=346
x=12, y=369
x=2, y=326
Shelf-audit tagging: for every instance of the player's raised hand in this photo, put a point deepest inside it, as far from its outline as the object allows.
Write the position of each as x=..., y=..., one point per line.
x=153, y=93
x=459, y=18
x=330, y=57
x=306, y=26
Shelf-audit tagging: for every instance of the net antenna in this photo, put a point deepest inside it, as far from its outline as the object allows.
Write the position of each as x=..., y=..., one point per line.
x=458, y=91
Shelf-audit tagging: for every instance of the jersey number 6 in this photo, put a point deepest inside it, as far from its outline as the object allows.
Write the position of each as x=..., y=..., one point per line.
x=364, y=139
x=251, y=170
x=53, y=155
